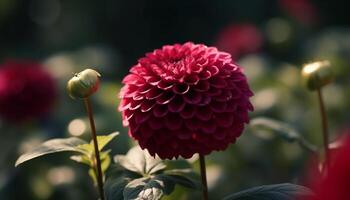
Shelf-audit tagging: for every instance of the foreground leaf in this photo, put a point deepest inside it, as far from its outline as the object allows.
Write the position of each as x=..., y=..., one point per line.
x=52, y=146
x=283, y=191
x=140, y=161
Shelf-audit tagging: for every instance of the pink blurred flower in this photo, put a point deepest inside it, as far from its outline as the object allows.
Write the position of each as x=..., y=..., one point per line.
x=185, y=99
x=240, y=39
x=336, y=183
x=26, y=90
x=302, y=10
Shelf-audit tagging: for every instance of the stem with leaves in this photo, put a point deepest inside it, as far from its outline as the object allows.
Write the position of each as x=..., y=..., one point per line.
x=324, y=128
x=204, y=177
x=98, y=168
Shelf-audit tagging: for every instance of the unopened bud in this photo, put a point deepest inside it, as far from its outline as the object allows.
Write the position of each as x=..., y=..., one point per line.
x=83, y=84
x=317, y=74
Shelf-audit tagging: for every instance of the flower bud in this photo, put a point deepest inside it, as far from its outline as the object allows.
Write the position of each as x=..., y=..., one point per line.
x=83, y=84
x=317, y=74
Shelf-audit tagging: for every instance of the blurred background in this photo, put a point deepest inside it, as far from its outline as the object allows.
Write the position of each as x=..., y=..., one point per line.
x=270, y=39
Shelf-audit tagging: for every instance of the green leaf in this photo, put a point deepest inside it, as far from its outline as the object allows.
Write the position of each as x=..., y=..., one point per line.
x=81, y=159
x=283, y=130
x=103, y=140
x=145, y=189
x=114, y=188
x=140, y=161
x=284, y=191
x=52, y=146
x=182, y=180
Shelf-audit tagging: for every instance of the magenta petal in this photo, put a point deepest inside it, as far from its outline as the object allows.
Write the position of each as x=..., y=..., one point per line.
x=124, y=104
x=191, y=79
x=155, y=123
x=192, y=97
x=204, y=113
x=188, y=112
x=224, y=120
x=204, y=75
x=177, y=104
x=218, y=82
x=231, y=106
x=214, y=91
x=165, y=98
x=220, y=134
x=146, y=131
x=132, y=79
x=218, y=106
x=153, y=80
x=181, y=88
x=192, y=124
x=183, y=134
x=141, y=117
x=202, y=86
x=205, y=101
x=213, y=70
x=208, y=127
x=154, y=93
x=144, y=89
x=147, y=105
x=135, y=105
x=172, y=122
x=165, y=85
x=138, y=97
x=224, y=96
x=160, y=110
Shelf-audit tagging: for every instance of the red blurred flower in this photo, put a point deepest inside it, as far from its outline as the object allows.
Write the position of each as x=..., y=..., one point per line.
x=185, y=99
x=26, y=90
x=302, y=10
x=337, y=182
x=240, y=39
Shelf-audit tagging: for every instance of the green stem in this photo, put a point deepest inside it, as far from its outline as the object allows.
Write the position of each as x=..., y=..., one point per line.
x=324, y=128
x=204, y=177
x=97, y=153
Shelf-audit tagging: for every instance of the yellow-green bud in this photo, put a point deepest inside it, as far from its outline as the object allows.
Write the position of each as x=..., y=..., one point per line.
x=317, y=74
x=83, y=84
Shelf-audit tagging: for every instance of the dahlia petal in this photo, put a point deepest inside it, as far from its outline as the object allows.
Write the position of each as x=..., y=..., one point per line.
x=205, y=101
x=128, y=91
x=214, y=70
x=146, y=131
x=147, y=105
x=177, y=104
x=202, y=86
x=208, y=127
x=204, y=113
x=197, y=68
x=218, y=82
x=192, y=97
x=224, y=96
x=192, y=124
x=128, y=114
x=160, y=110
x=220, y=134
x=153, y=80
x=165, y=85
x=138, y=97
x=173, y=122
x=224, y=119
x=165, y=98
x=191, y=79
x=188, y=112
x=144, y=89
x=204, y=75
x=141, y=117
x=154, y=93
x=155, y=123
x=132, y=79
x=135, y=105
x=181, y=88
x=124, y=104
x=213, y=91
x=183, y=134
x=218, y=106
x=231, y=106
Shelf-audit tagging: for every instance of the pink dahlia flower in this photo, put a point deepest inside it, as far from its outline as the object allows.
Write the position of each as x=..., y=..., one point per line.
x=185, y=99
x=26, y=90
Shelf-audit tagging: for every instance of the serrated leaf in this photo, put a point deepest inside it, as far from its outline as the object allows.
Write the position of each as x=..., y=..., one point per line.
x=284, y=191
x=52, y=146
x=114, y=188
x=140, y=161
x=144, y=189
x=282, y=129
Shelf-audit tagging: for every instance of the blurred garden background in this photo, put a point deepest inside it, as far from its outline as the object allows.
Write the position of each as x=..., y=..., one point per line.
x=270, y=39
